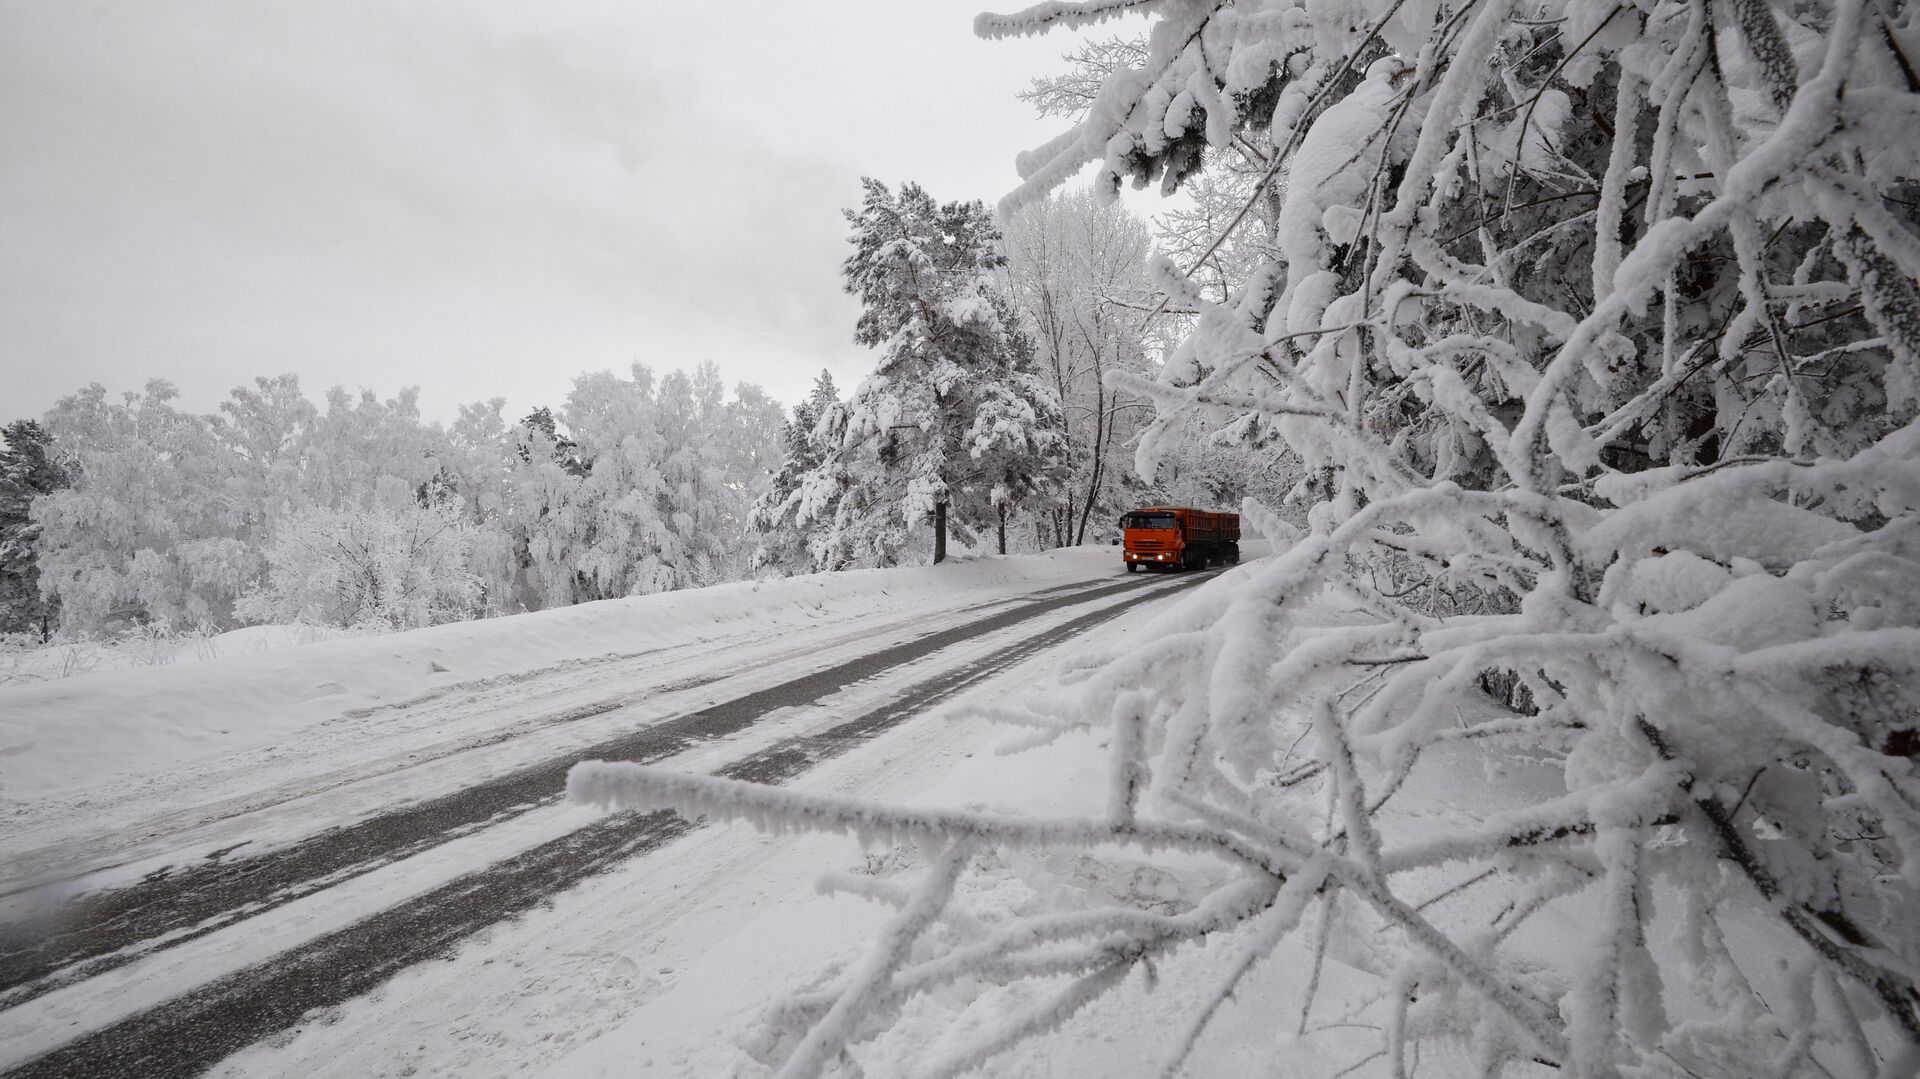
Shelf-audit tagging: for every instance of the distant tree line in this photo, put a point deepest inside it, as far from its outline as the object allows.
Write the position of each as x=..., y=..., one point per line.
x=991, y=411
x=127, y=512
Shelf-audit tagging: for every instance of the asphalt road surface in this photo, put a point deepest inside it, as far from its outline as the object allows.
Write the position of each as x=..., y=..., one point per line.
x=174, y=907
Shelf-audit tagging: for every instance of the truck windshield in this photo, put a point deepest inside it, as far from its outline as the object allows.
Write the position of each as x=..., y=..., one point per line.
x=1149, y=520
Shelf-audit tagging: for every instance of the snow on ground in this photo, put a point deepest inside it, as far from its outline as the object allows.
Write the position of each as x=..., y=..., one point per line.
x=667, y=966
x=661, y=967
x=698, y=989
x=164, y=765
x=44, y=1023
x=24, y=662
x=93, y=730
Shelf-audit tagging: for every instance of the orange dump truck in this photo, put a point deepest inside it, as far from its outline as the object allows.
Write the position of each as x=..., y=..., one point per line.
x=1175, y=537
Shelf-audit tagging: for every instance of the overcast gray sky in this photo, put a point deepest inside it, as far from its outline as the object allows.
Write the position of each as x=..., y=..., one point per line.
x=477, y=197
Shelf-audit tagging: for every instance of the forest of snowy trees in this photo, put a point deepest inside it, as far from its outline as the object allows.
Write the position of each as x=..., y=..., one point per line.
x=993, y=414
x=991, y=405
x=132, y=512
x=1593, y=330
x=990, y=415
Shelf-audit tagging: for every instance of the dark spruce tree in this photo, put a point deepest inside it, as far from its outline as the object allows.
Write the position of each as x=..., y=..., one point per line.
x=28, y=468
x=783, y=546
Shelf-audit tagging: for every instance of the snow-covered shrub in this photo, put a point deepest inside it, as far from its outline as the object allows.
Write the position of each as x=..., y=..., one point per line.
x=25, y=658
x=379, y=566
x=157, y=644
x=1607, y=312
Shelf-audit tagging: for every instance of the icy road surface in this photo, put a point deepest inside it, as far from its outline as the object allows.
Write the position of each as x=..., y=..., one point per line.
x=157, y=920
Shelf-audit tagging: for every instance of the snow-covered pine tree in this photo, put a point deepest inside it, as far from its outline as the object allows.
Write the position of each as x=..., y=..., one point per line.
x=1016, y=444
x=559, y=447
x=954, y=423
x=1596, y=323
x=782, y=542
x=29, y=468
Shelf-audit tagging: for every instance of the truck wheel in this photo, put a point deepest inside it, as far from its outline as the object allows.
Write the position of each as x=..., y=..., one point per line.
x=1233, y=553
x=1133, y=567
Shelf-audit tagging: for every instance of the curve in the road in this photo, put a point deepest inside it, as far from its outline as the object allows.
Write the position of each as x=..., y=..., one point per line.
x=98, y=932
x=190, y=1034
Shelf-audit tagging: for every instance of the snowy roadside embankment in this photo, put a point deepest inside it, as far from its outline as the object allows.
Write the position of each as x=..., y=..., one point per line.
x=24, y=663
x=83, y=731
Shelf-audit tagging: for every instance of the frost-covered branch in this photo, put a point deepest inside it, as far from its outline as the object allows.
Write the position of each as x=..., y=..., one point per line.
x=1594, y=327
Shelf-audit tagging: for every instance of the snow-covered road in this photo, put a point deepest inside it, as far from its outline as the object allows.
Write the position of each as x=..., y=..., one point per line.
x=160, y=918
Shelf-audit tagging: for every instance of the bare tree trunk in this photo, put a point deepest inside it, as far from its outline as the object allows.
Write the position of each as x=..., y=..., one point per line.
x=1099, y=439
x=939, y=532
x=1003, y=527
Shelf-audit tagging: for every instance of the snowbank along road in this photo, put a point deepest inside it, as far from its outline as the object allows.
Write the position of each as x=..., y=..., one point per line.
x=167, y=940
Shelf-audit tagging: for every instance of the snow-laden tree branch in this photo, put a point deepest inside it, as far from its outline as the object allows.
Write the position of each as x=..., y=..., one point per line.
x=1596, y=327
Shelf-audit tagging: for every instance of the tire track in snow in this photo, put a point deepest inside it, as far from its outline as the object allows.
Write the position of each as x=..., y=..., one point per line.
x=35, y=870
x=190, y=1034
x=101, y=931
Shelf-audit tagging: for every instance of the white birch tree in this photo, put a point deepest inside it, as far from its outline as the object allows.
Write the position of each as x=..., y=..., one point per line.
x=1077, y=269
